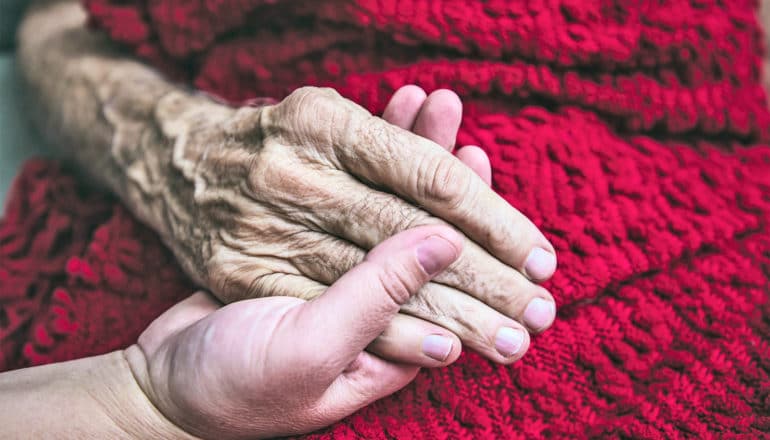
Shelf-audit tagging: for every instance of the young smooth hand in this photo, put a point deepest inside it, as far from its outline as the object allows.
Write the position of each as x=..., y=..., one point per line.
x=277, y=366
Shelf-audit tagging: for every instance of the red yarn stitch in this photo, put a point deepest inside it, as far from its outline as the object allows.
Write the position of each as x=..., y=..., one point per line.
x=629, y=131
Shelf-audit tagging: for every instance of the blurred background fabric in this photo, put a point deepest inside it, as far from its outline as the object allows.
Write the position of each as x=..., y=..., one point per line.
x=10, y=13
x=18, y=141
x=17, y=138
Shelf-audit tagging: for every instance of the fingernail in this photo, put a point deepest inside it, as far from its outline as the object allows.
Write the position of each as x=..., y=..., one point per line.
x=435, y=254
x=539, y=314
x=509, y=341
x=540, y=264
x=437, y=347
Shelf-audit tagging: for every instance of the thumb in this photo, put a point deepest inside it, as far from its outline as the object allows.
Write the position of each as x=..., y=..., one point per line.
x=356, y=309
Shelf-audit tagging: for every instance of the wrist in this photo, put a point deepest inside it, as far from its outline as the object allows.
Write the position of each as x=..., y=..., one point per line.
x=96, y=397
x=125, y=397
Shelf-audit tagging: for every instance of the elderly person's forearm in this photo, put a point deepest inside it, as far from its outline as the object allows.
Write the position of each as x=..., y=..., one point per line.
x=114, y=116
x=283, y=200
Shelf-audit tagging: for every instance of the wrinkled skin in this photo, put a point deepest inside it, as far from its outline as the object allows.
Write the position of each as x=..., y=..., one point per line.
x=277, y=366
x=284, y=199
x=306, y=207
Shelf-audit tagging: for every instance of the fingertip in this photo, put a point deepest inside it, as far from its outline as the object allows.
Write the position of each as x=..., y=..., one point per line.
x=540, y=264
x=404, y=106
x=451, y=235
x=477, y=160
x=413, y=341
x=440, y=118
x=511, y=343
x=439, y=249
x=448, y=100
x=411, y=92
x=440, y=350
x=540, y=314
x=435, y=254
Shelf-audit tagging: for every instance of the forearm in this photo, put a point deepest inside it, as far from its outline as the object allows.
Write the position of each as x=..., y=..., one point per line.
x=95, y=397
x=119, y=120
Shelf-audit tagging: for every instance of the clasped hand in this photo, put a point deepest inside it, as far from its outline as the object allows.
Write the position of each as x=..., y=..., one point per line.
x=283, y=365
x=297, y=193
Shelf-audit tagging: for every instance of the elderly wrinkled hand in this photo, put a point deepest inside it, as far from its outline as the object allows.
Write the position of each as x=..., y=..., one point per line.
x=300, y=191
x=284, y=199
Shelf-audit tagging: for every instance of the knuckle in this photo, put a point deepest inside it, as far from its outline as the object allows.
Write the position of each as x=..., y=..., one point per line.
x=503, y=301
x=305, y=94
x=312, y=101
x=446, y=182
x=325, y=259
x=381, y=142
x=307, y=113
x=397, y=282
x=391, y=214
x=322, y=120
x=405, y=217
x=424, y=305
x=458, y=315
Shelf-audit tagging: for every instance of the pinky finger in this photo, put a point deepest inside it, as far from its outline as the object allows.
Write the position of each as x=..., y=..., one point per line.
x=477, y=160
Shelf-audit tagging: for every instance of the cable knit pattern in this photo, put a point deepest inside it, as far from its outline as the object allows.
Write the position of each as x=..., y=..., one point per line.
x=631, y=132
x=78, y=275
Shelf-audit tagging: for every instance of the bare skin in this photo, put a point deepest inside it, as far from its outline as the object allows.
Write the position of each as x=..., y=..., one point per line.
x=253, y=369
x=283, y=200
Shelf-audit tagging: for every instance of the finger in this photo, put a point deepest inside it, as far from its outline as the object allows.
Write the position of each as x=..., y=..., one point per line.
x=370, y=216
x=475, y=322
x=365, y=381
x=357, y=308
x=404, y=106
x=477, y=160
x=482, y=329
x=421, y=171
x=324, y=260
x=475, y=272
x=439, y=118
x=502, y=288
x=412, y=340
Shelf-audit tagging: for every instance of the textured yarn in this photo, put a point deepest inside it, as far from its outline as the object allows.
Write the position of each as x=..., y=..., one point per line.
x=632, y=132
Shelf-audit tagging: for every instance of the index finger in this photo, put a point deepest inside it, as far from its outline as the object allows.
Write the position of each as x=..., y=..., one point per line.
x=426, y=174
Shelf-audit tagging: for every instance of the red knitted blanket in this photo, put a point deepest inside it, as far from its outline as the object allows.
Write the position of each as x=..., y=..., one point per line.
x=632, y=132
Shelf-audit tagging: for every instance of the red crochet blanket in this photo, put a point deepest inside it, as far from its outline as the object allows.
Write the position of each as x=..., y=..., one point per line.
x=632, y=132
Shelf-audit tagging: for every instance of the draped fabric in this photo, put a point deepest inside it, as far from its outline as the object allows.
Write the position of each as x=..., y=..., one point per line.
x=634, y=133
